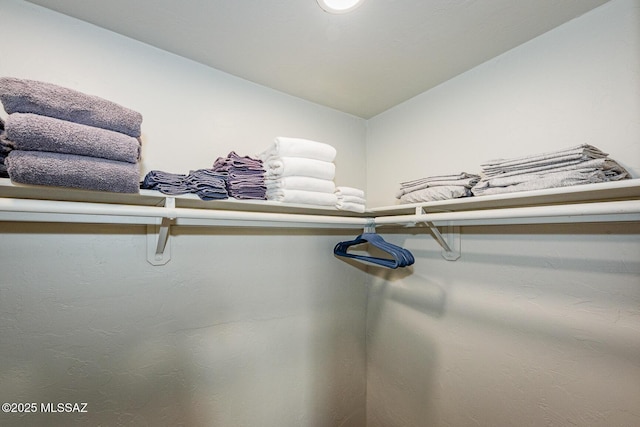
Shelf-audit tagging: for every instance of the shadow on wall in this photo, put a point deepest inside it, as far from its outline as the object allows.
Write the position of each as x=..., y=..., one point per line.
x=403, y=354
x=572, y=284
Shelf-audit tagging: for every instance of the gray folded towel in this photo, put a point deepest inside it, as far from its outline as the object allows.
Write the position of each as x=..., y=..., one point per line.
x=70, y=170
x=33, y=132
x=30, y=96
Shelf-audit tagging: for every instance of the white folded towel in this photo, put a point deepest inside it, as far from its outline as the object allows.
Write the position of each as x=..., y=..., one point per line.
x=297, y=166
x=299, y=147
x=301, y=183
x=352, y=199
x=349, y=191
x=353, y=207
x=302, y=197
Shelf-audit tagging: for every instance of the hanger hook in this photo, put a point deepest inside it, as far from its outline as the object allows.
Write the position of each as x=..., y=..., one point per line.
x=370, y=226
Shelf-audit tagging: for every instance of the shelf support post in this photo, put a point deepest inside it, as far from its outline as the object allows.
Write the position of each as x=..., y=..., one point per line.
x=450, y=242
x=158, y=245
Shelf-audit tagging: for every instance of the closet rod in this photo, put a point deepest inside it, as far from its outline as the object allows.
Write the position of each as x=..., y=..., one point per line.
x=551, y=213
x=106, y=209
x=547, y=213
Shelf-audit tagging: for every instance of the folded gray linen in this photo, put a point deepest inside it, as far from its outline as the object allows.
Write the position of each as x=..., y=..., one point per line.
x=592, y=171
x=468, y=181
x=553, y=180
x=33, y=132
x=544, y=161
x=70, y=170
x=31, y=96
x=550, y=167
x=436, y=178
x=432, y=194
x=583, y=151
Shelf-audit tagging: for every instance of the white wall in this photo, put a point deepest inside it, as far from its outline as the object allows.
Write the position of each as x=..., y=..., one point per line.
x=533, y=325
x=576, y=84
x=241, y=327
x=191, y=113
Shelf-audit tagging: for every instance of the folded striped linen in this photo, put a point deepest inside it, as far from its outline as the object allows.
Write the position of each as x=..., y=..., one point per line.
x=277, y=167
x=31, y=96
x=437, y=187
x=350, y=199
x=301, y=183
x=304, y=197
x=577, y=153
x=462, y=179
x=34, y=132
x=299, y=147
x=432, y=194
x=70, y=170
x=582, y=164
x=594, y=171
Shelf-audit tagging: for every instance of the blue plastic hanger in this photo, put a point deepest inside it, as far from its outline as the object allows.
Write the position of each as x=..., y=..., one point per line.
x=400, y=257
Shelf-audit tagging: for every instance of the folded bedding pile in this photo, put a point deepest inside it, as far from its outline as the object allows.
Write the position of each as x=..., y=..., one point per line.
x=300, y=171
x=245, y=176
x=65, y=138
x=350, y=199
x=582, y=164
x=434, y=188
x=207, y=184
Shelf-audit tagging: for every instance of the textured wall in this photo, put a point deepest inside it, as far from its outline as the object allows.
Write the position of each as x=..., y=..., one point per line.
x=220, y=336
x=533, y=325
x=240, y=328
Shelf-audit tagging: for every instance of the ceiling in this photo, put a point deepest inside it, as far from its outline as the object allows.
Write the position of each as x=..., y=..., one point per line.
x=362, y=63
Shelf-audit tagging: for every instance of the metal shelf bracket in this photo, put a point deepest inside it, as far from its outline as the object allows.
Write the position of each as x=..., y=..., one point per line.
x=450, y=241
x=158, y=244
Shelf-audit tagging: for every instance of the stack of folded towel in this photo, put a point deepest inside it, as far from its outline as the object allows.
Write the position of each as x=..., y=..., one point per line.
x=205, y=183
x=300, y=171
x=582, y=164
x=350, y=199
x=5, y=149
x=245, y=176
x=433, y=188
x=66, y=138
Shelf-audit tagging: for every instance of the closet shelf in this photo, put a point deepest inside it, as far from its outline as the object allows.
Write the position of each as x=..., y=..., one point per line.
x=618, y=201
x=155, y=198
x=628, y=189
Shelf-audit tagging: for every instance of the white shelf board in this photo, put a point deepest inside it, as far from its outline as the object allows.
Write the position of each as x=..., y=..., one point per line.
x=628, y=189
x=9, y=189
